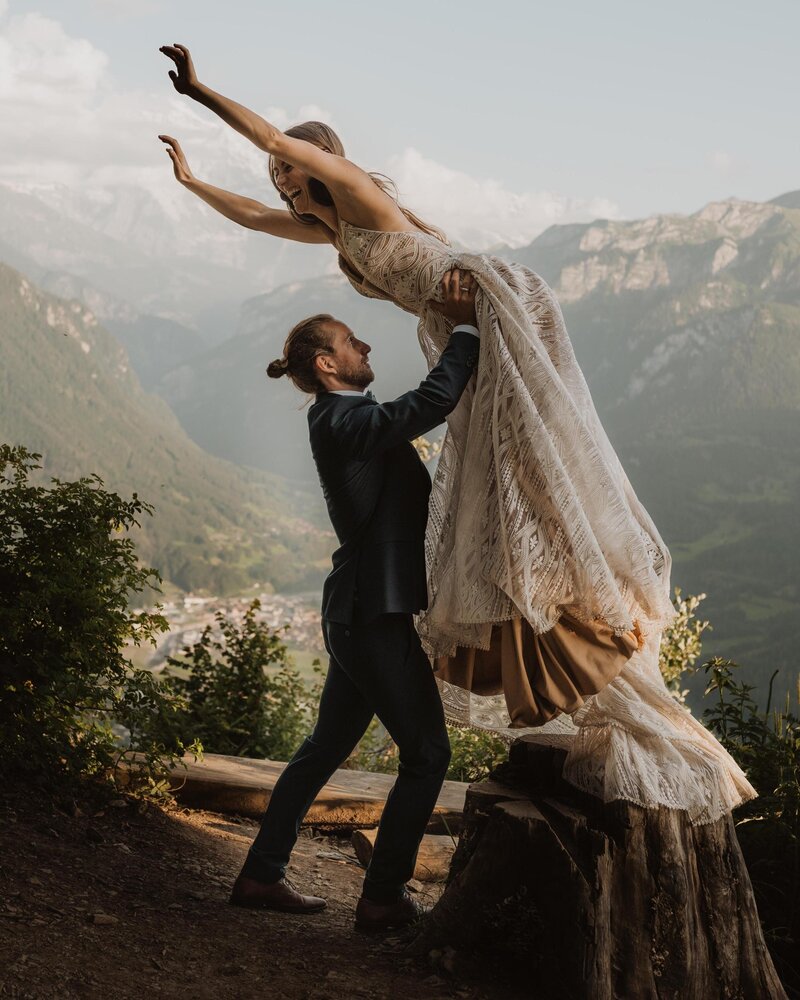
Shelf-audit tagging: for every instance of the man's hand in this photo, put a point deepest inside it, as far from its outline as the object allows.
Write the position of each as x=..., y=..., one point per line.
x=179, y=164
x=184, y=78
x=458, y=303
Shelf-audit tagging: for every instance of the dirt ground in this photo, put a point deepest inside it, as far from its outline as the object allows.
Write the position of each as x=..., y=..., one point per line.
x=120, y=903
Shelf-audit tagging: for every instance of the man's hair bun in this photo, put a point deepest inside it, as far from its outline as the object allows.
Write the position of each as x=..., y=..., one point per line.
x=278, y=368
x=306, y=341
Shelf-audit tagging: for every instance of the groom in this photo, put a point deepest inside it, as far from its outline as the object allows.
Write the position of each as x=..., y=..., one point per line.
x=376, y=489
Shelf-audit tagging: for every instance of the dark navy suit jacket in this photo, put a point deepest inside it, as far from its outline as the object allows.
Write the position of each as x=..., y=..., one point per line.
x=377, y=489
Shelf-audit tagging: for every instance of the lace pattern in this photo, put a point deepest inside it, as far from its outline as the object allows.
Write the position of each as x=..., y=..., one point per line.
x=545, y=517
x=632, y=741
x=530, y=513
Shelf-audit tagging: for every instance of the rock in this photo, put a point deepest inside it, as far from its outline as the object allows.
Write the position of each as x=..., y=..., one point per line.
x=433, y=860
x=449, y=958
x=103, y=919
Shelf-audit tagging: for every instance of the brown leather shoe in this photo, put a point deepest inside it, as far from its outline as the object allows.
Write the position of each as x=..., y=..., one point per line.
x=273, y=896
x=372, y=916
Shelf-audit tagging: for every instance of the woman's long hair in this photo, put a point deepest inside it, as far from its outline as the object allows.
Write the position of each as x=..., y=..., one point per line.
x=321, y=135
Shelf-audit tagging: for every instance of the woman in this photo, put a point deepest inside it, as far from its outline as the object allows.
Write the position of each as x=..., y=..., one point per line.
x=549, y=583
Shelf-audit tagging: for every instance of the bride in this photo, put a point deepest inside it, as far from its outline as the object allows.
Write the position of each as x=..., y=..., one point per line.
x=549, y=584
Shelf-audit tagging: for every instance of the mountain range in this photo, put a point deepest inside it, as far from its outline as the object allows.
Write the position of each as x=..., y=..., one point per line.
x=68, y=392
x=687, y=328
x=228, y=405
x=179, y=260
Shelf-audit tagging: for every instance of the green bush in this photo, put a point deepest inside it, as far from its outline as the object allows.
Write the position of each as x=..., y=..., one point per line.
x=474, y=754
x=681, y=643
x=67, y=569
x=766, y=744
x=376, y=751
x=241, y=695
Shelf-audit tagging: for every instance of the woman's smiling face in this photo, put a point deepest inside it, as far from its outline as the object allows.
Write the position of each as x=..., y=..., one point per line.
x=292, y=183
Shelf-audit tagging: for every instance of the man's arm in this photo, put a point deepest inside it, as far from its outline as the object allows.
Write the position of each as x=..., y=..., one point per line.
x=366, y=431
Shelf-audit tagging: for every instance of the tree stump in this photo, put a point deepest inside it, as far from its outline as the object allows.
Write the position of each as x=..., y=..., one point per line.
x=582, y=899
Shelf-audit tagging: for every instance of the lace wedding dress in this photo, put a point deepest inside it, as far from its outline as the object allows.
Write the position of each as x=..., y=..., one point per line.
x=549, y=584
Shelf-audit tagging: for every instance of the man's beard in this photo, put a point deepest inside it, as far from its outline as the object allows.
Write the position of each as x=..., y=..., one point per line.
x=359, y=375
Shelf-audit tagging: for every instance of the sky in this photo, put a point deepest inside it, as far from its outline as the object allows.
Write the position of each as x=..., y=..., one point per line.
x=495, y=118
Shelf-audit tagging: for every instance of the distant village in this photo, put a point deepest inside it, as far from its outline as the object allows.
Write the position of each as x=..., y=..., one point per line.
x=188, y=616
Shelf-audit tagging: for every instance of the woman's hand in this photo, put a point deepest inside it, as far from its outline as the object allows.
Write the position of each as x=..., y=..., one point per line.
x=182, y=172
x=184, y=78
x=458, y=304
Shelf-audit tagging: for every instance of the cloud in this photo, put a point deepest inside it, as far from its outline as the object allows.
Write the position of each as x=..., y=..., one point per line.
x=64, y=121
x=43, y=67
x=127, y=8
x=481, y=211
x=721, y=161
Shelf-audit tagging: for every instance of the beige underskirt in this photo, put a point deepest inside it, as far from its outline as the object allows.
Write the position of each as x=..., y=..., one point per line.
x=543, y=675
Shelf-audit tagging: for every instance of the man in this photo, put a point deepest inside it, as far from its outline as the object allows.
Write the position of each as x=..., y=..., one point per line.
x=376, y=489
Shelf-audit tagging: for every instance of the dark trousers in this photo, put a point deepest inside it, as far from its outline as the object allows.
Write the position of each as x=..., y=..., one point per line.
x=376, y=668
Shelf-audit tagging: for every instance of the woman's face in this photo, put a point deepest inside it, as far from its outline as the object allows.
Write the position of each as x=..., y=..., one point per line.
x=293, y=182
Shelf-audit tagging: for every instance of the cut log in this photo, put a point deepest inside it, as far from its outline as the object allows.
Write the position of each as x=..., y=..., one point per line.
x=433, y=860
x=582, y=899
x=351, y=799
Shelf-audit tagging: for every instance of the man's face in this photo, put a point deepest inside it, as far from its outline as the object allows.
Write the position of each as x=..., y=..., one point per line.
x=350, y=357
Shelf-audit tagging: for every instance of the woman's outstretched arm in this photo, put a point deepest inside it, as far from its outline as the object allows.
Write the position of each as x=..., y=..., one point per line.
x=245, y=211
x=353, y=189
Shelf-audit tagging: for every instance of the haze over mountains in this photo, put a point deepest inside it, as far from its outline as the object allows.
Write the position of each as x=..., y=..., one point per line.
x=188, y=264
x=67, y=391
x=687, y=327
